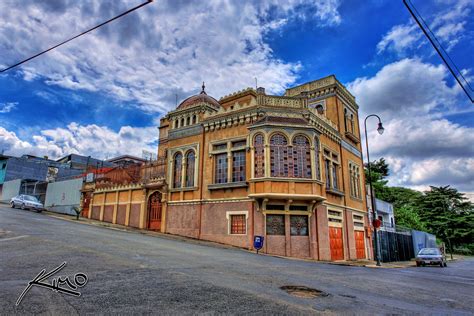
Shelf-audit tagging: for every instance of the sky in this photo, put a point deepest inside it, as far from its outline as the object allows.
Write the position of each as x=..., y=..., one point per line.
x=104, y=93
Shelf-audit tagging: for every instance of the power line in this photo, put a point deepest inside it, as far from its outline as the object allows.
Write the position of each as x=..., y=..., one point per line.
x=456, y=76
x=83, y=33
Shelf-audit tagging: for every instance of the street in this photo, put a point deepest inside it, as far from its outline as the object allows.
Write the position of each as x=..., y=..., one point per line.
x=129, y=272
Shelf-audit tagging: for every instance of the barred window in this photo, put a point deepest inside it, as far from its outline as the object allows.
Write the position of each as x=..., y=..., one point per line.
x=259, y=156
x=238, y=166
x=301, y=157
x=275, y=224
x=177, y=164
x=238, y=224
x=299, y=225
x=221, y=168
x=279, y=156
x=190, y=160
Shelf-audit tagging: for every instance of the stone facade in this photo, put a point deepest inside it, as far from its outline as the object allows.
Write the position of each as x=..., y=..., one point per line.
x=285, y=167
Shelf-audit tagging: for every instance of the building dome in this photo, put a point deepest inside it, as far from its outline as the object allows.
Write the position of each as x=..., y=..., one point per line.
x=202, y=97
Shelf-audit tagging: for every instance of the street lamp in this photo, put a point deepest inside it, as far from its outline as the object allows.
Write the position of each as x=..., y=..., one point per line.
x=380, y=130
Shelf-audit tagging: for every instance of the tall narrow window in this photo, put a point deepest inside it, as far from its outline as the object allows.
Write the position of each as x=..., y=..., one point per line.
x=317, y=167
x=334, y=177
x=345, y=120
x=188, y=120
x=221, y=168
x=259, y=157
x=238, y=166
x=190, y=161
x=327, y=172
x=182, y=122
x=177, y=164
x=194, y=119
x=279, y=156
x=301, y=157
x=352, y=123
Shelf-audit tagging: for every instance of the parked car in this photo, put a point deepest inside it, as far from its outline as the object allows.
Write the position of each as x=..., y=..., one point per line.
x=430, y=256
x=26, y=202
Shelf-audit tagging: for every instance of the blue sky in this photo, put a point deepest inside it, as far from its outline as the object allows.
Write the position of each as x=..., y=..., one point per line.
x=103, y=94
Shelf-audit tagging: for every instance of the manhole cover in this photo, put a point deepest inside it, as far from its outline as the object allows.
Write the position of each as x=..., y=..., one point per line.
x=303, y=291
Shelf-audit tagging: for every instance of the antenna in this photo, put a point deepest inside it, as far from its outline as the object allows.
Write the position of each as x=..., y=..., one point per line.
x=256, y=85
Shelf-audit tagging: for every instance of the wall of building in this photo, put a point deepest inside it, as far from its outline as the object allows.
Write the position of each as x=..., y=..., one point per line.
x=124, y=205
x=63, y=196
x=10, y=189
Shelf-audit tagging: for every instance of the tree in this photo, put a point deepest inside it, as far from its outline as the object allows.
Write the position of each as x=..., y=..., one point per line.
x=408, y=217
x=448, y=214
x=379, y=170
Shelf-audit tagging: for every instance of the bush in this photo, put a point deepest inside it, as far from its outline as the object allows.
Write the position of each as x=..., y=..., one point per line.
x=466, y=250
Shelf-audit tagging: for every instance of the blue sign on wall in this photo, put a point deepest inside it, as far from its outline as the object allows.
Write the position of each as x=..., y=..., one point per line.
x=258, y=242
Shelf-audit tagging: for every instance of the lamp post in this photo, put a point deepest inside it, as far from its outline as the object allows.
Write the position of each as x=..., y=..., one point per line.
x=380, y=129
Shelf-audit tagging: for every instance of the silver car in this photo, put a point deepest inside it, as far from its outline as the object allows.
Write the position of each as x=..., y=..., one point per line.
x=26, y=202
x=430, y=256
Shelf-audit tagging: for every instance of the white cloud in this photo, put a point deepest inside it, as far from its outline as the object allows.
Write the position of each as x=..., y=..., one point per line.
x=94, y=140
x=404, y=88
x=7, y=107
x=400, y=38
x=448, y=24
x=421, y=146
x=164, y=48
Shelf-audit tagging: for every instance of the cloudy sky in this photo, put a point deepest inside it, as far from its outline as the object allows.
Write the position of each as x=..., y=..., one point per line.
x=103, y=94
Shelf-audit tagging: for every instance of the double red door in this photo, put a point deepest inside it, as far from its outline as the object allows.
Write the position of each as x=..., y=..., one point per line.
x=336, y=244
x=154, y=211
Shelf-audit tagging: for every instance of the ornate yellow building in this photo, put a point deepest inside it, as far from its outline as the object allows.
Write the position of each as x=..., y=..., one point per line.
x=288, y=168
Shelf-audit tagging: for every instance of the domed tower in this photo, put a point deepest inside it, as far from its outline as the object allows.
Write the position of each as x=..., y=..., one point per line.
x=190, y=111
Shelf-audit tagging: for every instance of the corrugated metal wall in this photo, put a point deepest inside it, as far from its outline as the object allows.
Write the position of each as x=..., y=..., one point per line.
x=10, y=189
x=63, y=196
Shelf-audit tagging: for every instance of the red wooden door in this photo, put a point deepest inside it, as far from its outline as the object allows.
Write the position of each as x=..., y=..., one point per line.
x=360, y=244
x=86, y=203
x=335, y=240
x=154, y=211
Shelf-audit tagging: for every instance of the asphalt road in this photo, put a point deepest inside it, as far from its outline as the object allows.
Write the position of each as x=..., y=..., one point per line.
x=129, y=272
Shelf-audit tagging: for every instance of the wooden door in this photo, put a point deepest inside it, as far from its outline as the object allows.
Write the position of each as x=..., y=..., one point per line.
x=154, y=211
x=85, y=204
x=335, y=240
x=360, y=244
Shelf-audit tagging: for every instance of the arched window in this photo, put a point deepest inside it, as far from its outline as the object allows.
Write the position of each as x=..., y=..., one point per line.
x=177, y=164
x=188, y=120
x=317, y=166
x=279, y=156
x=182, y=122
x=194, y=119
x=301, y=157
x=190, y=160
x=259, y=156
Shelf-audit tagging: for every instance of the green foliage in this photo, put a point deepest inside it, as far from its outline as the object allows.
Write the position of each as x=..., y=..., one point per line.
x=408, y=217
x=448, y=214
x=442, y=211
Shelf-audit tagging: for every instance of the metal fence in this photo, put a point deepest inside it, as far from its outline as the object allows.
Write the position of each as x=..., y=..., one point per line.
x=395, y=246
